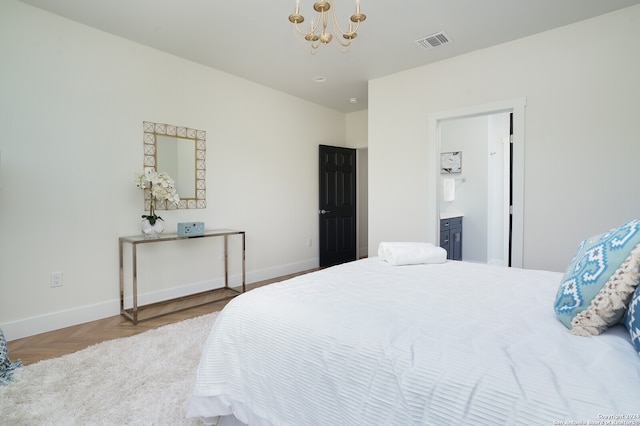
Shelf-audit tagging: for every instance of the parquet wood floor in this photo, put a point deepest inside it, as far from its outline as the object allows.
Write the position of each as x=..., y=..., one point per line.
x=71, y=339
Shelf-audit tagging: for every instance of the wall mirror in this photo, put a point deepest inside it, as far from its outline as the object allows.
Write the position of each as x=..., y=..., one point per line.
x=179, y=151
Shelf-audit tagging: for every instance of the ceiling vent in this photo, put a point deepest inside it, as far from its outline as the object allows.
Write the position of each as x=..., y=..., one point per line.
x=433, y=40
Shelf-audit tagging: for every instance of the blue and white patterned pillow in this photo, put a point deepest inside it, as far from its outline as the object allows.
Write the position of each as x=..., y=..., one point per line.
x=632, y=319
x=600, y=280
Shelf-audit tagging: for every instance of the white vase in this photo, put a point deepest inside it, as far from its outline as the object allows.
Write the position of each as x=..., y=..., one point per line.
x=152, y=231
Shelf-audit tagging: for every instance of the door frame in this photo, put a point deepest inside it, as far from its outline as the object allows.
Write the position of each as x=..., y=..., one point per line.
x=515, y=106
x=362, y=208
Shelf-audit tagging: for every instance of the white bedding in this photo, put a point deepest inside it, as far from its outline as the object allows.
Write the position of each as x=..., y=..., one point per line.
x=367, y=343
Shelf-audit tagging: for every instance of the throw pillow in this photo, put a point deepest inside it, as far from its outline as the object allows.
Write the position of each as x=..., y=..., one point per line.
x=598, y=283
x=632, y=319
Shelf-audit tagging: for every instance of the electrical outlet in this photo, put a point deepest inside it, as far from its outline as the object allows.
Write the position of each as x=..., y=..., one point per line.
x=309, y=241
x=56, y=279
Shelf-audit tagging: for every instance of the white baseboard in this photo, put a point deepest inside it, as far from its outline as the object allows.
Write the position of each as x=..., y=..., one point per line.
x=61, y=319
x=282, y=270
x=81, y=314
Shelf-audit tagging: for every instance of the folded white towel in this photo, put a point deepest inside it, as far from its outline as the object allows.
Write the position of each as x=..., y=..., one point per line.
x=385, y=247
x=410, y=253
x=449, y=189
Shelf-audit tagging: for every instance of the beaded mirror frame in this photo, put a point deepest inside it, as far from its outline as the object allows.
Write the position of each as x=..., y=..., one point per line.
x=150, y=144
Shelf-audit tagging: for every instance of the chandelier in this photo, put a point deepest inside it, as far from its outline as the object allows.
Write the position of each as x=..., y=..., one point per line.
x=318, y=30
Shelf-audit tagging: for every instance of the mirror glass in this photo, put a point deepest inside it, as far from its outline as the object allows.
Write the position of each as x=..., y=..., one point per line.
x=177, y=157
x=180, y=152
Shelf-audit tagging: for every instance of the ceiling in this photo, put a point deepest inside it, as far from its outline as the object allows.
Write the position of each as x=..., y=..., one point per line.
x=255, y=40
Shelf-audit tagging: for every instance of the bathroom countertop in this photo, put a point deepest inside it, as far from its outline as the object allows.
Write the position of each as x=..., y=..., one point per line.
x=449, y=215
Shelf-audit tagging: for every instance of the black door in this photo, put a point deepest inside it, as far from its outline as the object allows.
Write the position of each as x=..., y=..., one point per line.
x=337, y=209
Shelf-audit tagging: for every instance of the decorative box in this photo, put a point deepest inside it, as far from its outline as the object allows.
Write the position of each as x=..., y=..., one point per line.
x=190, y=229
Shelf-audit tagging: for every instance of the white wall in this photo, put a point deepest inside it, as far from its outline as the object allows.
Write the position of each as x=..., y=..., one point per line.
x=357, y=136
x=72, y=103
x=581, y=133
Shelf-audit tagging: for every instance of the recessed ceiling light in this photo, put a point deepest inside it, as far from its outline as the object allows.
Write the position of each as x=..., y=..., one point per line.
x=319, y=79
x=353, y=100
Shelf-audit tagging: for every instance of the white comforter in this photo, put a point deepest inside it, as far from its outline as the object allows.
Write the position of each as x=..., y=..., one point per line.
x=367, y=343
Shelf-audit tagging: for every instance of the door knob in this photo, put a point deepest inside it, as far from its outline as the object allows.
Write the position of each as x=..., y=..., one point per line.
x=323, y=211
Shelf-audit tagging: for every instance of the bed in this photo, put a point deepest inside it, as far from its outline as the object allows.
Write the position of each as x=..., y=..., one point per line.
x=371, y=343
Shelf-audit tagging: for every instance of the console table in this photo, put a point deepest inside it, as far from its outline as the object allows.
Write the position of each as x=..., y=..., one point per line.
x=134, y=241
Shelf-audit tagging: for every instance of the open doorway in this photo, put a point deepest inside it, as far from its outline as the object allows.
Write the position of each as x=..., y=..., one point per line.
x=513, y=251
x=478, y=190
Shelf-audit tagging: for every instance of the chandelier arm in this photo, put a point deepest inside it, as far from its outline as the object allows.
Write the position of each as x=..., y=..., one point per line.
x=314, y=43
x=345, y=49
x=312, y=30
x=317, y=23
x=344, y=41
x=299, y=30
x=336, y=25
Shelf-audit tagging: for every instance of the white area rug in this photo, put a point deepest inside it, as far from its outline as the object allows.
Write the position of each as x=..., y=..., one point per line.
x=145, y=379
